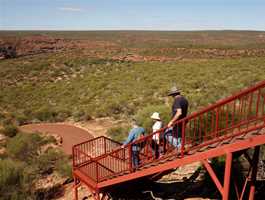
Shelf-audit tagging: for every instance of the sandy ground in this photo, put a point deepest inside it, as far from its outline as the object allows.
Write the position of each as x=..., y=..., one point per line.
x=96, y=127
x=72, y=132
x=70, y=135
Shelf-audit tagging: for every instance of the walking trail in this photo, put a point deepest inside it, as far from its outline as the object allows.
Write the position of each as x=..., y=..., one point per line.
x=70, y=132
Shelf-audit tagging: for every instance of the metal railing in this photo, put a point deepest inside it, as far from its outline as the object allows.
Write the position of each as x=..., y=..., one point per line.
x=92, y=149
x=232, y=116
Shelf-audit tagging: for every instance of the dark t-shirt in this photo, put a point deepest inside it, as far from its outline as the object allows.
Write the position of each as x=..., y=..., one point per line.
x=182, y=103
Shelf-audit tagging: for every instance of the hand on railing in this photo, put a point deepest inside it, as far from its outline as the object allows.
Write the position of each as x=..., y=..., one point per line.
x=170, y=124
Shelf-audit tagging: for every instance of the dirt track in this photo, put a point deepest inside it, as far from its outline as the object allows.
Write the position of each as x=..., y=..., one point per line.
x=70, y=134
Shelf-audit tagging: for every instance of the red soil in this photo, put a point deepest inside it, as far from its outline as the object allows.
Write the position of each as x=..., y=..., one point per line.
x=71, y=135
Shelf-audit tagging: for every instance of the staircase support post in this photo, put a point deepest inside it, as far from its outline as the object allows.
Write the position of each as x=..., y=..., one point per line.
x=254, y=166
x=213, y=176
x=228, y=164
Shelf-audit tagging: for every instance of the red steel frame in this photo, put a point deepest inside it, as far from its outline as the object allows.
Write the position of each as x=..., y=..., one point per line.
x=101, y=162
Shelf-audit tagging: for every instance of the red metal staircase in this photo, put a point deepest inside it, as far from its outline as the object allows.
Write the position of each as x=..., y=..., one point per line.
x=233, y=124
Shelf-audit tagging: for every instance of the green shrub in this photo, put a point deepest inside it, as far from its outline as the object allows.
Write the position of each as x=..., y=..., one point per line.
x=16, y=180
x=22, y=119
x=10, y=130
x=25, y=163
x=100, y=111
x=118, y=108
x=81, y=115
x=7, y=121
x=2, y=116
x=48, y=139
x=46, y=161
x=9, y=173
x=45, y=114
x=53, y=160
x=62, y=115
x=118, y=133
x=12, y=180
x=64, y=167
x=24, y=146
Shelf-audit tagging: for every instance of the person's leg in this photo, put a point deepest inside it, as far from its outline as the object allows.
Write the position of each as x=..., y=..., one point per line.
x=172, y=140
x=179, y=142
x=179, y=135
x=168, y=132
x=176, y=142
x=135, y=158
x=155, y=149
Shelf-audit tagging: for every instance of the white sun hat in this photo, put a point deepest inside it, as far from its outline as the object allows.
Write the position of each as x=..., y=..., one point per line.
x=155, y=115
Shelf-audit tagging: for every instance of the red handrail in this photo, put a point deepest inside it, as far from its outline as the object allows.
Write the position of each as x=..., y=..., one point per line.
x=220, y=121
x=227, y=99
x=92, y=149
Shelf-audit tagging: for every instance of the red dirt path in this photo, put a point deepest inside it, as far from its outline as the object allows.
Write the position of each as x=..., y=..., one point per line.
x=71, y=135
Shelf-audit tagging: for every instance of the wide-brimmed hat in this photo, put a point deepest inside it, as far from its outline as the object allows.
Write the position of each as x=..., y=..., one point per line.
x=173, y=91
x=155, y=115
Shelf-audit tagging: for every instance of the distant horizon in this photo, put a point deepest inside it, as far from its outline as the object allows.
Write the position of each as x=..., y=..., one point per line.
x=142, y=15
x=142, y=30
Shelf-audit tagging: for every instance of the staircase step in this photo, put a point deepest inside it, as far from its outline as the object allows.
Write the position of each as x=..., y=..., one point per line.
x=162, y=161
x=203, y=149
x=214, y=145
x=227, y=141
x=240, y=138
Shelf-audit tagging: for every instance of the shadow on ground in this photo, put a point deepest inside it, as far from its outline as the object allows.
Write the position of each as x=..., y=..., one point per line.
x=146, y=189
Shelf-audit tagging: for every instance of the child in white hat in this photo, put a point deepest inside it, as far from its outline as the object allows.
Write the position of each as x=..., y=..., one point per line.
x=156, y=126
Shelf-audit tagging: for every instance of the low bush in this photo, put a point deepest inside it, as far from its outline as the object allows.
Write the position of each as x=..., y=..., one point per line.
x=54, y=160
x=2, y=116
x=64, y=167
x=9, y=173
x=46, y=161
x=45, y=114
x=25, y=161
x=62, y=115
x=15, y=183
x=143, y=116
x=81, y=115
x=118, y=133
x=24, y=146
x=22, y=119
x=10, y=130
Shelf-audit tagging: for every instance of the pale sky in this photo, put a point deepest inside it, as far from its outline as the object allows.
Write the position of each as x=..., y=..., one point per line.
x=132, y=14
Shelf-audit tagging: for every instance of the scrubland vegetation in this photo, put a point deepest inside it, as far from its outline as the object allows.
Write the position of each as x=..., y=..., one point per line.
x=77, y=84
x=51, y=88
x=107, y=88
x=25, y=159
x=92, y=81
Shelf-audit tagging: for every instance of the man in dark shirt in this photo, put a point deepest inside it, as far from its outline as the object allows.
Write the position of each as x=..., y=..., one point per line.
x=179, y=111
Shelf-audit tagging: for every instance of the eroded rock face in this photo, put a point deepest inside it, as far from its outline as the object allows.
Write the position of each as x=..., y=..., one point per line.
x=96, y=48
x=183, y=173
x=49, y=186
